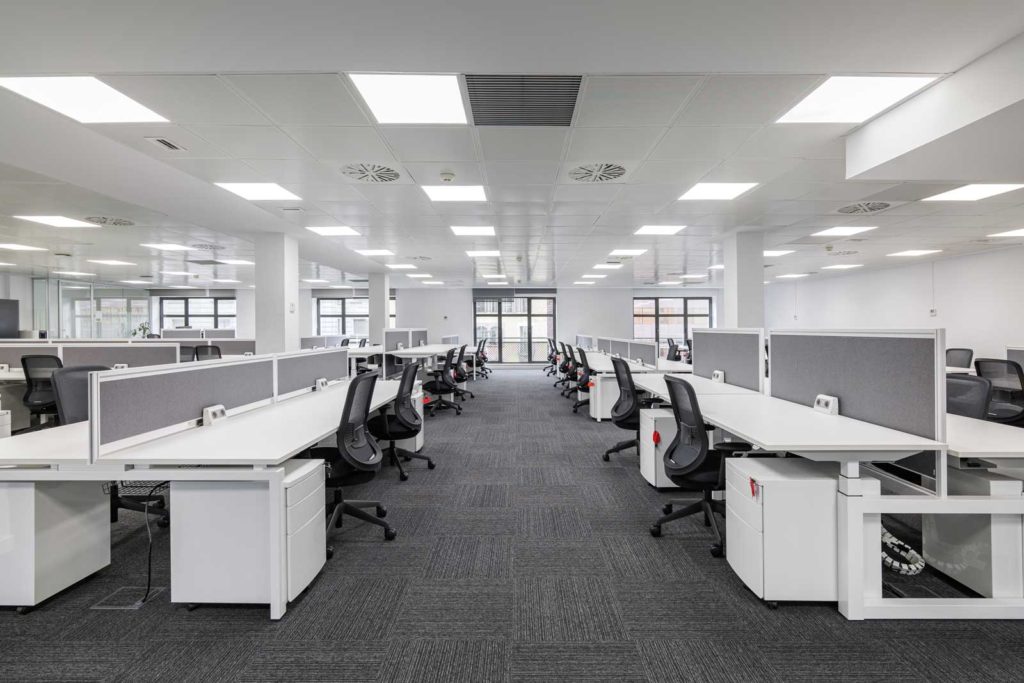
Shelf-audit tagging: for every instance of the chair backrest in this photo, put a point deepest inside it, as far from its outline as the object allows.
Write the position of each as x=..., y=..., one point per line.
x=628, y=404
x=689, y=449
x=153, y=336
x=186, y=353
x=959, y=358
x=362, y=342
x=71, y=391
x=481, y=351
x=356, y=447
x=459, y=366
x=584, y=377
x=968, y=395
x=344, y=342
x=673, y=351
x=405, y=409
x=207, y=352
x=38, y=371
x=447, y=369
x=1006, y=375
x=563, y=366
x=573, y=365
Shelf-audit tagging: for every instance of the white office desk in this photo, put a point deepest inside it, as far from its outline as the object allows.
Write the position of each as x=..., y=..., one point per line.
x=56, y=446
x=364, y=351
x=425, y=351
x=602, y=364
x=12, y=375
x=654, y=383
x=604, y=390
x=950, y=370
x=991, y=442
x=674, y=366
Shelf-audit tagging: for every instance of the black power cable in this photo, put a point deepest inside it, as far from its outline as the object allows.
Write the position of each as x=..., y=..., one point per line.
x=149, y=534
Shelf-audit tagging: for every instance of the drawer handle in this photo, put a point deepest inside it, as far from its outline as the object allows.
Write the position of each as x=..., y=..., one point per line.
x=754, y=487
x=656, y=437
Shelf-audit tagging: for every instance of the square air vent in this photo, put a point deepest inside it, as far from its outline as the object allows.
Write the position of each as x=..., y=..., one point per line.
x=499, y=100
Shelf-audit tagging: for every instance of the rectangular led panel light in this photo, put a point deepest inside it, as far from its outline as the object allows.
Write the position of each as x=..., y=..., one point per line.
x=843, y=231
x=473, y=230
x=400, y=266
x=73, y=273
x=791, y=276
x=455, y=193
x=497, y=283
x=670, y=282
x=843, y=266
x=423, y=276
x=412, y=98
x=84, y=98
x=1010, y=233
x=234, y=262
x=717, y=266
x=769, y=253
x=433, y=282
x=58, y=221
x=314, y=281
x=659, y=229
x=716, y=191
x=374, y=252
x=607, y=266
x=259, y=192
x=21, y=247
x=225, y=282
x=972, y=193
x=593, y=276
x=111, y=262
x=584, y=282
x=480, y=254
x=333, y=230
x=167, y=247
x=853, y=99
x=916, y=252
x=489, y=276
x=627, y=252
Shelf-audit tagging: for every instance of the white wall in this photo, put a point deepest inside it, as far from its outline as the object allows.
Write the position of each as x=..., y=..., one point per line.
x=245, y=312
x=442, y=311
x=603, y=312
x=977, y=298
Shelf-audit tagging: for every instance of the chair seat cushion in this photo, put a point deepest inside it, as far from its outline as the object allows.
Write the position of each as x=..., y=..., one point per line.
x=435, y=387
x=339, y=472
x=733, y=447
x=388, y=428
x=1004, y=411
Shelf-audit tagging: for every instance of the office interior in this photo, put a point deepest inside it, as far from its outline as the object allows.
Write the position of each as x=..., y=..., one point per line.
x=511, y=342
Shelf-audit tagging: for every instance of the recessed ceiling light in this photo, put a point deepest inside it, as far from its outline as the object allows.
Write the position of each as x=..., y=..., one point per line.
x=234, y=261
x=314, y=281
x=627, y=252
x=73, y=273
x=716, y=191
x=176, y=272
x=717, y=266
x=6, y=264
x=167, y=247
x=916, y=252
x=400, y=266
x=670, y=282
x=769, y=253
x=480, y=254
x=412, y=98
x=259, y=192
x=111, y=262
x=853, y=99
x=21, y=247
x=503, y=282
x=473, y=230
x=432, y=282
x=83, y=98
x=695, y=276
x=607, y=266
x=179, y=286
x=841, y=231
x=423, y=276
x=341, y=286
x=374, y=252
x=584, y=282
x=493, y=276
x=972, y=193
x=73, y=287
x=659, y=229
x=455, y=193
x=843, y=266
x=226, y=282
x=594, y=276
x=791, y=276
x=58, y=221
x=1010, y=233
x=333, y=230
x=134, y=282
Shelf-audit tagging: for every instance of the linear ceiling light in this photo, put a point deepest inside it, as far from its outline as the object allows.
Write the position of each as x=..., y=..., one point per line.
x=412, y=98
x=853, y=99
x=84, y=98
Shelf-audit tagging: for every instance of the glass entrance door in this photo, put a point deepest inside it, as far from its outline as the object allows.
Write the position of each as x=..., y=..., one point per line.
x=516, y=328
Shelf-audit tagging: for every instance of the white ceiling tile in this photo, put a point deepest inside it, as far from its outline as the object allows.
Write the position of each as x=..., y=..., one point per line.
x=502, y=194
x=611, y=144
x=189, y=99
x=565, y=177
x=701, y=142
x=346, y=144
x=220, y=170
x=433, y=143
x=323, y=191
x=522, y=143
x=847, y=190
x=294, y=170
x=429, y=172
x=750, y=170
x=302, y=99
x=817, y=170
x=596, y=192
x=633, y=100
x=728, y=100
x=252, y=142
x=652, y=197
x=138, y=136
x=805, y=140
x=520, y=172
x=683, y=172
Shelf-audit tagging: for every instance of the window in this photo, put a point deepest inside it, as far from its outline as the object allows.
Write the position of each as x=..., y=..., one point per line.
x=662, y=318
x=349, y=316
x=199, y=313
x=516, y=328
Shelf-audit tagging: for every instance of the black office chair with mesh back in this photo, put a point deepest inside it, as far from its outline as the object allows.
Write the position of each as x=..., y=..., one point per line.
x=968, y=395
x=71, y=391
x=959, y=358
x=478, y=360
x=691, y=463
x=442, y=385
x=403, y=423
x=39, y=398
x=186, y=354
x=362, y=342
x=1007, y=404
x=583, y=383
x=208, y=353
x=459, y=369
x=153, y=336
x=574, y=372
x=626, y=411
x=552, y=367
x=344, y=342
x=355, y=459
x=673, y=351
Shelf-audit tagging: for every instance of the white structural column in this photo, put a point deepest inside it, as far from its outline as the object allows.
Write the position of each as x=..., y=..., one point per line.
x=380, y=296
x=744, y=281
x=277, y=293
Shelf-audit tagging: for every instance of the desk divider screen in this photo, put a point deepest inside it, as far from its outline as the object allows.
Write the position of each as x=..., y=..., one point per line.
x=895, y=379
x=313, y=342
x=619, y=347
x=220, y=333
x=604, y=345
x=134, y=355
x=392, y=338
x=584, y=342
x=132, y=406
x=739, y=353
x=332, y=341
x=298, y=372
x=1015, y=353
x=70, y=342
x=181, y=334
x=418, y=337
x=452, y=339
x=234, y=347
x=645, y=352
x=11, y=353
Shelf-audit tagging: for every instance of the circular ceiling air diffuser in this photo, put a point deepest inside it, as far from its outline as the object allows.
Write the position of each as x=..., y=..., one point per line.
x=371, y=173
x=109, y=220
x=861, y=208
x=597, y=173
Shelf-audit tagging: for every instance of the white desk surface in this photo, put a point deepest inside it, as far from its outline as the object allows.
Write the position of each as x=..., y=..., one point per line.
x=12, y=375
x=674, y=366
x=68, y=445
x=602, y=363
x=365, y=351
x=655, y=383
x=970, y=438
x=424, y=351
x=950, y=370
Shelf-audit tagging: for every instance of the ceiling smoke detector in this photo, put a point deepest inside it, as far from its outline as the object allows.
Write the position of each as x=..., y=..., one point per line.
x=447, y=176
x=861, y=208
x=371, y=173
x=597, y=173
x=110, y=220
x=848, y=252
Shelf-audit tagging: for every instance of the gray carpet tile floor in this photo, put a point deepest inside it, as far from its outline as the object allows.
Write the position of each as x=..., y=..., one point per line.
x=522, y=557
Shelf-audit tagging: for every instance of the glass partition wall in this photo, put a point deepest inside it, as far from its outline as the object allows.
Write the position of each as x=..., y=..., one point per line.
x=516, y=328
x=66, y=309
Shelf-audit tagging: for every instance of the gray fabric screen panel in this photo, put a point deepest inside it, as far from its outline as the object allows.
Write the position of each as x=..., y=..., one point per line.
x=452, y=339
x=134, y=355
x=619, y=347
x=219, y=334
x=393, y=337
x=331, y=341
x=136, y=405
x=180, y=334
x=604, y=345
x=888, y=381
x=1015, y=355
x=647, y=353
x=417, y=337
x=234, y=347
x=738, y=355
x=312, y=342
x=11, y=353
x=301, y=372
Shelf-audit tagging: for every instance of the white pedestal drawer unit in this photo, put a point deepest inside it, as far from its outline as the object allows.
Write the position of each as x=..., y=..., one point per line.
x=652, y=464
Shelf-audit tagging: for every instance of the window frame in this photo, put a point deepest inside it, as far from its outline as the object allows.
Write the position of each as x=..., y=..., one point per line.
x=499, y=314
x=344, y=316
x=686, y=315
x=216, y=315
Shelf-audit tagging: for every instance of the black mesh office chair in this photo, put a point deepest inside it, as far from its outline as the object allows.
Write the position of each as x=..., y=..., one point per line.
x=39, y=398
x=344, y=342
x=479, y=359
x=626, y=411
x=355, y=459
x=968, y=395
x=71, y=392
x=673, y=351
x=583, y=383
x=959, y=358
x=574, y=372
x=552, y=367
x=459, y=368
x=403, y=423
x=690, y=462
x=1007, y=404
x=442, y=385
x=153, y=336
x=362, y=342
x=186, y=354
x=208, y=353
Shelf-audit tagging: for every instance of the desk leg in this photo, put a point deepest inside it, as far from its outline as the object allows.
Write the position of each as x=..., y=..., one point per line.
x=277, y=546
x=850, y=542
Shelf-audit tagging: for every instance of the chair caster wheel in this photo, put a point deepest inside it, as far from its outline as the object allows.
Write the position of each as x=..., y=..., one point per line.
x=24, y=610
x=574, y=411
x=163, y=523
x=656, y=531
x=605, y=457
x=431, y=464
x=771, y=604
x=330, y=552
x=191, y=607
x=390, y=534
x=403, y=476
x=667, y=509
x=382, y=511
x=717, y=551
